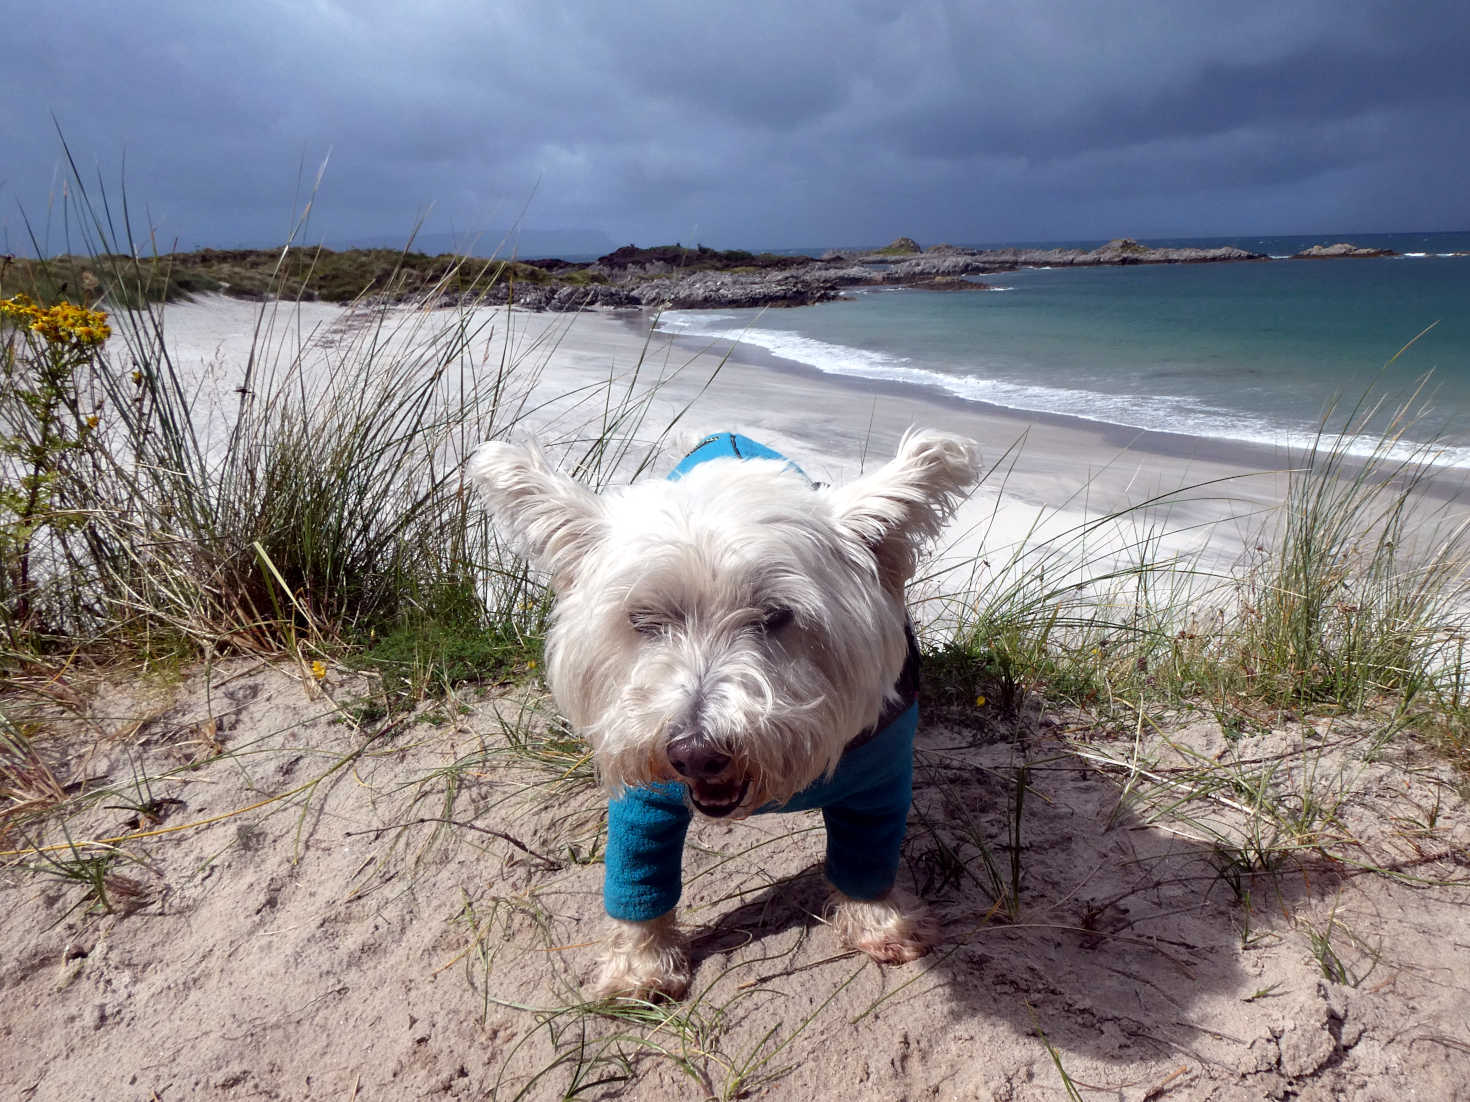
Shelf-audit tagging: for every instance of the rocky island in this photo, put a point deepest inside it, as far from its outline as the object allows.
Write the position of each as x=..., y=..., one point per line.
x=1342, y=250
x=700, y=279
x=662, y=277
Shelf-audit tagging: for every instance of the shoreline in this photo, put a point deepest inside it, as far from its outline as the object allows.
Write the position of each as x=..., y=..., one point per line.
x=1173, y=445
x=1445, y=483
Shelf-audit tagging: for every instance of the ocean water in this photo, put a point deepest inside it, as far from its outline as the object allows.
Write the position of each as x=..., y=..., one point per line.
x=1260, y=353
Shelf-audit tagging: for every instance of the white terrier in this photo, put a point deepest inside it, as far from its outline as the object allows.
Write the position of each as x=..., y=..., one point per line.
x=734, y=640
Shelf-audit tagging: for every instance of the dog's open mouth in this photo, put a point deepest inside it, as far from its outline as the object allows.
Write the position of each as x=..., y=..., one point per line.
x=718, y=798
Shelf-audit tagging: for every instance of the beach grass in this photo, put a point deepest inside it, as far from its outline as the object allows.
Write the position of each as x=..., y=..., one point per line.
x=1352, y=596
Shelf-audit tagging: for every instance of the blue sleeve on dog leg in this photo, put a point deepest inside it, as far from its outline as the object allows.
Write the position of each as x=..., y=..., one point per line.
x=645, y=852
x=867, y=823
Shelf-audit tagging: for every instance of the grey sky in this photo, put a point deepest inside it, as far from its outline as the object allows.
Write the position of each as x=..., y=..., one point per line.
x=763, y=124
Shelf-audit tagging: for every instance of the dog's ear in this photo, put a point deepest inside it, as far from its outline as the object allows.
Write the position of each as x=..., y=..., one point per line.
x=897, y=509
x=551, y=519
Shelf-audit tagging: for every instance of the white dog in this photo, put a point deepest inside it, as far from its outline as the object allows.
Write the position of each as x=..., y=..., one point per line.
x=734, y=640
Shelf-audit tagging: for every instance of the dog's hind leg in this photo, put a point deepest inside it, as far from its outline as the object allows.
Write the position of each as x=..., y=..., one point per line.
x=643, y=960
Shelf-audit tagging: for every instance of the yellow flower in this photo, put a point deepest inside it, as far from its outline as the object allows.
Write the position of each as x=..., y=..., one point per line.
x=18, y=306
x=138, y=378
x=92, y=421
x=318, y=669
x=979, y=702
x=531, y=665
x=64, y=323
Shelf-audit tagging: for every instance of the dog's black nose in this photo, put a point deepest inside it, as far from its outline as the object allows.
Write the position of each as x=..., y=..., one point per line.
x=694, y=758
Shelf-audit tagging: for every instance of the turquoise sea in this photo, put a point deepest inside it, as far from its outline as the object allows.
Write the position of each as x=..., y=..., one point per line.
x=1250, y=352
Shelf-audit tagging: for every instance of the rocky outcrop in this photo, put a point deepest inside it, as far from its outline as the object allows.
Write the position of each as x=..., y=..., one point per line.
x=665, y=259
x=671, y=276
x=930, y=267
x=1341, y=249
x=690, y=291
x=955, y=260
x=1123, y=250
x=709, y=290
x=900, y=246
x=559, y=297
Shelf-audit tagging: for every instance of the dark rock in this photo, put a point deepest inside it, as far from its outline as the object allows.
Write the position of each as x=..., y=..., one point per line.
x=672, y=258
x=948, y=283
x=552, y=264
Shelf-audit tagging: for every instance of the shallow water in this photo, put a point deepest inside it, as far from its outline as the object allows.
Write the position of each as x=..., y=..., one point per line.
x=1251, y=352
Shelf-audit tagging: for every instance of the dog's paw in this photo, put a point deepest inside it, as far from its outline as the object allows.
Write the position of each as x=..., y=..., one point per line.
x=893, y=930
x=644, y=960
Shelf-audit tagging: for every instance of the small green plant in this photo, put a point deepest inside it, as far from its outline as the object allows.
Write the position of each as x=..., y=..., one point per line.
x=446, y=640
x=1334, y=967
x=146, y=807
x=1262, y=993
x=92, y=868
x=45, y=417
x=1056, y=1057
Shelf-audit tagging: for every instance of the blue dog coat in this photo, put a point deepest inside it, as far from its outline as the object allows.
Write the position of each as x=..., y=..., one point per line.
x=865, y=803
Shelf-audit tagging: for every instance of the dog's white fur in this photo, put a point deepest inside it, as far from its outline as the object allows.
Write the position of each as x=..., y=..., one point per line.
x=742, y=604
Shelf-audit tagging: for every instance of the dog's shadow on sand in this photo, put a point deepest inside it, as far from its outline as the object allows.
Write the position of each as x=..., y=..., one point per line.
x=1070, y=915
x=771, y=912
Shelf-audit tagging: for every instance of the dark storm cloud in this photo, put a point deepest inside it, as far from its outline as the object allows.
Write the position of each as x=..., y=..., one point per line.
x=758, y=125
x=1143, y=96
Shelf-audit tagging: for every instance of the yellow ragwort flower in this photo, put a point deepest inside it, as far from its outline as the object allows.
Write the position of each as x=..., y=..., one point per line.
x=64, y=323
x=19, y=307
x=318, y=669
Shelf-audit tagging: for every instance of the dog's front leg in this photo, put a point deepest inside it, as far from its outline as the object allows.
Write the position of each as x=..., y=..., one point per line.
x=643, y=960
x=893, y=930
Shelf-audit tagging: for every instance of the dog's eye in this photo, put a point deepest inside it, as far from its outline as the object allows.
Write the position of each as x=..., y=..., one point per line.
x=774, y=619
x=647, y=622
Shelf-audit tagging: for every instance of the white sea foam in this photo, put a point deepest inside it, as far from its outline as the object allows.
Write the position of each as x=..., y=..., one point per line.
x=676, y=321
x=1170, y=413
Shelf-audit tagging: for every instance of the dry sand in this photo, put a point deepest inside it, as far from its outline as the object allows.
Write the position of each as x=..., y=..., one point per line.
x=338, y=910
